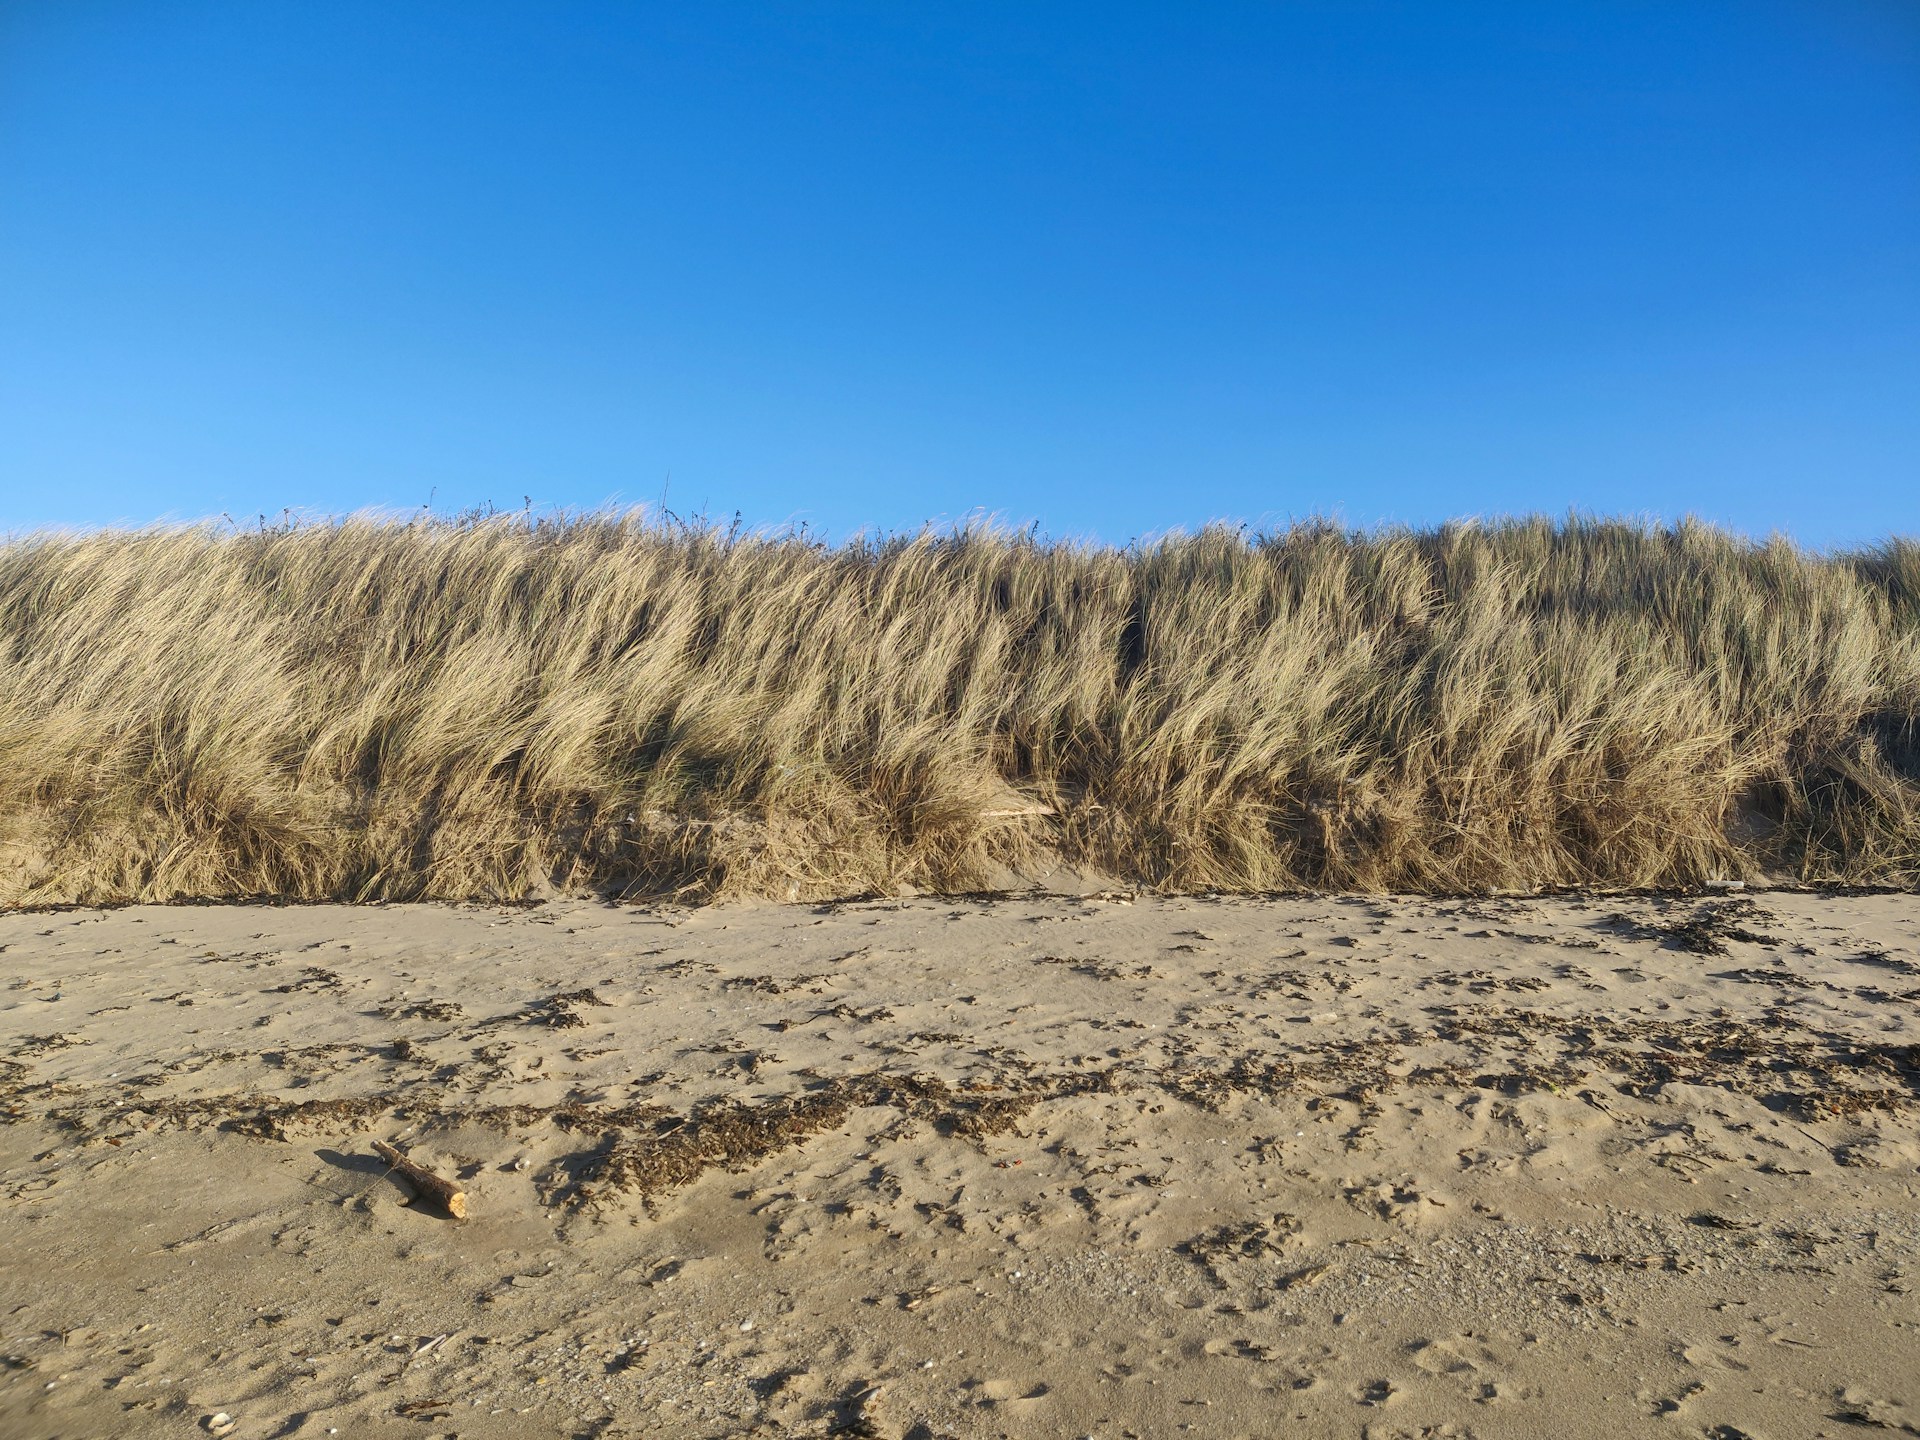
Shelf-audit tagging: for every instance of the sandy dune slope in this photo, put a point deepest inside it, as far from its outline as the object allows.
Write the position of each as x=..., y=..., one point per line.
x=1023, y=1166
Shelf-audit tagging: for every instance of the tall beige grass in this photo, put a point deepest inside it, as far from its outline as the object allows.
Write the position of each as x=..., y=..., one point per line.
x=505, y=707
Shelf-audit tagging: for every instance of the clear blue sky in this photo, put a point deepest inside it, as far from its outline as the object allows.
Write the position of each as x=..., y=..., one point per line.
x=1112, y=267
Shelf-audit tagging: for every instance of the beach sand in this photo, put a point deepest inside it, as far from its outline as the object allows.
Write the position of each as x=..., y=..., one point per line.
x=1002, y=1166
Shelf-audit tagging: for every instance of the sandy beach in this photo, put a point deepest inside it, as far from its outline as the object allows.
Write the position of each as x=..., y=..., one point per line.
x=1108, y=1165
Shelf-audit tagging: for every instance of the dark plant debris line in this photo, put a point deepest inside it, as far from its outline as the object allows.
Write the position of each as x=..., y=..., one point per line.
x=646, y=1150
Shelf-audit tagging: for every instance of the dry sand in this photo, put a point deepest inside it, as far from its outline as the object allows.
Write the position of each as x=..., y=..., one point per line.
x=1011, y=1166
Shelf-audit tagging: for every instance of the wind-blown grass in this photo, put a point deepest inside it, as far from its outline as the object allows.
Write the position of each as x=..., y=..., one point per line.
x=503, y=707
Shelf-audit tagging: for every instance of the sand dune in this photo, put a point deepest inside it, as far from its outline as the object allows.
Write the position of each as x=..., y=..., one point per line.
x=511, y=708
x=1021, y=1166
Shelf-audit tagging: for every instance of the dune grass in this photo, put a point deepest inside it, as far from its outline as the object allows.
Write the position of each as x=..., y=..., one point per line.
x=505, y=707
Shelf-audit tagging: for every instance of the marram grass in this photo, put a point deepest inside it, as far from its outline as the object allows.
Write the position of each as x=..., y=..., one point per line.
x=503, y=708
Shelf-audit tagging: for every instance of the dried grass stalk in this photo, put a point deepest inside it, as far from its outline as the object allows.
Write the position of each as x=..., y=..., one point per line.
x=503, y=708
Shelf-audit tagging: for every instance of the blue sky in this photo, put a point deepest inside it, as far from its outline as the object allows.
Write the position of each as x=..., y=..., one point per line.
x=1113, y=268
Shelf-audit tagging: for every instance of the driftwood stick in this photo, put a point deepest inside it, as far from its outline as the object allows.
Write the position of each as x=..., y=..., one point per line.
x=444, y=1193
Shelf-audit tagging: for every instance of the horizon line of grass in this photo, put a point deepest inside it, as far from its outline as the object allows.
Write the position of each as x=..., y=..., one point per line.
x=500, y=706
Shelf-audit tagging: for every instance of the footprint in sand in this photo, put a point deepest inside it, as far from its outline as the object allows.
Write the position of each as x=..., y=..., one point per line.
x=1240, y=1349
x=1866, y=1408
x=1401, y=1201
x=789, y=1396
x=1713, y=1355
x=1374, y=1392
x=1010, y=1395
x=1469, y=1361
x=1458, y=1356
x=1663, y=1405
